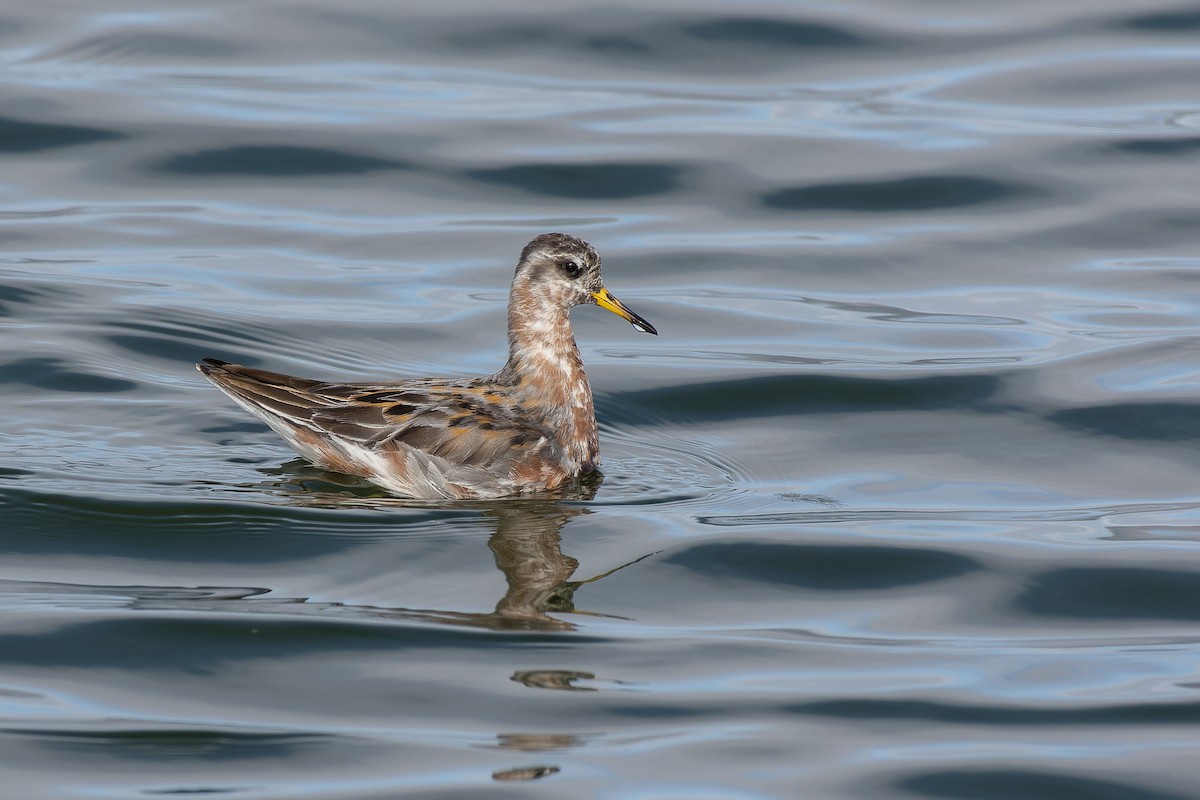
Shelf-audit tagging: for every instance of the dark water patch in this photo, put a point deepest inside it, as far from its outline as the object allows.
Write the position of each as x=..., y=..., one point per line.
x=905, y=194
x=1010, y=784
x=945, y=713
x=1159, y=146
x=1113, y=593
x=787, y=395
x=50, y=373
x=540, y=35
x=616, y=44
x=197, y=532
x=237, y=427
x=775, y=34
x=172, y=349
x=1185, y=22
x=734, y=42
x=11, y=296
x=70, y=592
x=22, y=136
x=826, y=567
x=198, y=645
x=174, y=743
x=185, y=336
x=584, y=181
x=275, y=161
x=1166, y=422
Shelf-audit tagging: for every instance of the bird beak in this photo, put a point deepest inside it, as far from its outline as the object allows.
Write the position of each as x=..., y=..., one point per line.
x=606, y=301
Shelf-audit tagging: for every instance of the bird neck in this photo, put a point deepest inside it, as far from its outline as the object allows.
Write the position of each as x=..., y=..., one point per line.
x=545, y=368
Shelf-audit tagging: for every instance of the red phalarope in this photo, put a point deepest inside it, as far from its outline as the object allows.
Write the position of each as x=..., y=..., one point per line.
x=529, y=427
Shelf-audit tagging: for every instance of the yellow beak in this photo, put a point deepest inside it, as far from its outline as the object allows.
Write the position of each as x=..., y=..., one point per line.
x=605, y=300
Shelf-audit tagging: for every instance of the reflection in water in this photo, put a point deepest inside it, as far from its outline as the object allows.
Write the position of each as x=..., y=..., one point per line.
x=524, y=773
x=533, y=743
x=526, y=546
x=554, y=679
x=538, y=742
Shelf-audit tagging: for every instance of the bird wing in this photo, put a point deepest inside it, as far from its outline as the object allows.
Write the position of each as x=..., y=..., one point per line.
x=466, y=423
x=423, y=437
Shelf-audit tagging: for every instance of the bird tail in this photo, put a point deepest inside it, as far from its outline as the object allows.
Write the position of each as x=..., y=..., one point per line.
x=271, y=396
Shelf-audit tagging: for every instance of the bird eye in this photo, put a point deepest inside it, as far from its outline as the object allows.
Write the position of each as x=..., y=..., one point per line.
x=571, y=267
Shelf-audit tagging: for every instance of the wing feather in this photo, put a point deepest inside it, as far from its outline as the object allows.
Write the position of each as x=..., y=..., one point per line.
x=439, y=435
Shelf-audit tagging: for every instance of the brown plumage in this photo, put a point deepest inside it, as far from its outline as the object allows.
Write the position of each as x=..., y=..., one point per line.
x=529, y=427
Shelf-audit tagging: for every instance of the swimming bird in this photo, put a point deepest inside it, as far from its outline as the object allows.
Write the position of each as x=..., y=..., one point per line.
x=530, y=427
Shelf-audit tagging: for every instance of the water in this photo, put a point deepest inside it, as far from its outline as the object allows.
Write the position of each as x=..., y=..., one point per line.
x=901, y=504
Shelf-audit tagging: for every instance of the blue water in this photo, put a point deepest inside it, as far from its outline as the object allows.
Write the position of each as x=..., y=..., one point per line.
x=902, y=502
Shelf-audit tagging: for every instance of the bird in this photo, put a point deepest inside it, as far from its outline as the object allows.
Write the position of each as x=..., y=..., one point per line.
x=528, y=428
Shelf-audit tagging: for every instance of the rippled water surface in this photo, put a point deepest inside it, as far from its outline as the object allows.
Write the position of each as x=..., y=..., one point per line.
x=902, y=503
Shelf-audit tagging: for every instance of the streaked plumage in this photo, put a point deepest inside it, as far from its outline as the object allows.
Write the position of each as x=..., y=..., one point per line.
x=529, y=427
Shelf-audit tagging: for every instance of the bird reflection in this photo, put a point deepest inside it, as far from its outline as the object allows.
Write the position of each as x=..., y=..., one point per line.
x=526, y=546
x=534, y=743
x=563, y=679
x=526, y=773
